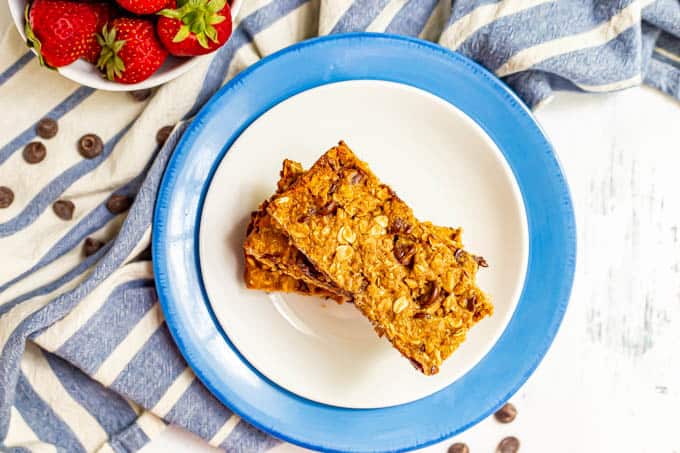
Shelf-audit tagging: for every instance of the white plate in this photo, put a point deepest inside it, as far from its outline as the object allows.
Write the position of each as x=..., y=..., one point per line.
x=438, y=160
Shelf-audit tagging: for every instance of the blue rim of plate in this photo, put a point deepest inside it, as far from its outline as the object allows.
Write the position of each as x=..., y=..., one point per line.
x=364, y=56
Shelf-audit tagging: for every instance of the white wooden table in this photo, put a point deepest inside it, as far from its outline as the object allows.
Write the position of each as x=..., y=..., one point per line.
x=611, y=381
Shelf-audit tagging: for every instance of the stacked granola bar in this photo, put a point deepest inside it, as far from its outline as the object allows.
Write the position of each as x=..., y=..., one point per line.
x=337, y=231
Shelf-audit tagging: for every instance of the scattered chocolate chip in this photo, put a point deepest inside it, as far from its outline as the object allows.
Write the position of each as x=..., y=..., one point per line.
x=141, y=95
x=459, y=447
x=328, y=208
x=459, y=254
x=422, y=348
x=422, y=315
x=64, y=209
x=47, y=128
x=90, y=146
x=307, y=267
x=91, y=246
x=117, y=204
x=6, y=197
x=303, y=218
x=481, y=262
x=430, y=296
x=404, y=253
x=271, y=258
x=302, y=286
x=400, y=226
x=34, y=152
x=506, y=414
x=508, y=445
x=364, y=284
x=471, y=302
x=163, y=134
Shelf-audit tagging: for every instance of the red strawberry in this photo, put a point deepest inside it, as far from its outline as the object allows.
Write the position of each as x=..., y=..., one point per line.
x=130, y=50
x=195, y=28
x=60, y=30
x=144, y=6
x=105, y=13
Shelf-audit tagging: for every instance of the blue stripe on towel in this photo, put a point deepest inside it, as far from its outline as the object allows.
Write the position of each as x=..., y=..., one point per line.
x=16, y=67
x=412, y=17
x=129, y=440
x=44, y=422
x=198, y=411
x=111, y=411
x=246, y=439
x=57, y=112
x=152, y=369
x=359, y=15
x=125, y=306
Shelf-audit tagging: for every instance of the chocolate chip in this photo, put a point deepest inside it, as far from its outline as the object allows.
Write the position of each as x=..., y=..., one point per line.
x=141, y=95
x=64, y=209
x=90, y=146
x=481, y=262
x=471, y=302
x=6, y=197
x=459, y=447
x=163, y=134
x=422, y=348
x=459, y=254
x=422, y=315
x=333, y=188
x=118, y=204
x=91, y=246
x=357, y=177
x=508, y=445
x=328, y=208
x=46, y=128
x=302, y=286
x=400, y=226
x=34, y=152
x=434, y=369
x=404, y=253
x=506, y=414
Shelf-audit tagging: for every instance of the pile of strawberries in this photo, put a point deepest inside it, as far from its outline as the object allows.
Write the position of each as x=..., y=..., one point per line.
x=129, y=40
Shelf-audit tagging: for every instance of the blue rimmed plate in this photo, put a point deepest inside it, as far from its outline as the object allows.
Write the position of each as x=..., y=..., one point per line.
x=457, y=145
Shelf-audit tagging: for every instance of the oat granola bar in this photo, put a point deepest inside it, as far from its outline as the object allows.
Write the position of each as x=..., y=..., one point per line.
x=416, y=287
x=269, y=251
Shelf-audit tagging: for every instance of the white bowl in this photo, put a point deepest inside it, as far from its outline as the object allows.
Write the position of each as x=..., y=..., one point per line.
x=86, y=74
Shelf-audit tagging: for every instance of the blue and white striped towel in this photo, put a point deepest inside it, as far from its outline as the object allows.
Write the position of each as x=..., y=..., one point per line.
x=86, y=362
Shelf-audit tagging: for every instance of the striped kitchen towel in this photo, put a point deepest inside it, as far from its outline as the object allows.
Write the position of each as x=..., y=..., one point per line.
x=86, y=361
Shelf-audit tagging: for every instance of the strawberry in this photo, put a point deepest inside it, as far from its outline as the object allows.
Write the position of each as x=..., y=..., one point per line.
x=130, y=50
x=195, y=28
x=144, y=6
x=60, y=31
x=105, y=13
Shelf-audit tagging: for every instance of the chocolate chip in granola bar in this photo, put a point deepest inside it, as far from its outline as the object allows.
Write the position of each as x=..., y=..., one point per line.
x=328, y=208
x=458, y=255
x=333, y=188
x=46, y=128
x=422, y=348
x=509, y=444
x=459, y=447
x=481, y=262
x=6, y=197
x=141, y=95
x=506, y=414
x=302, y=286
x=416, y=365
x=64, y=209
x=422, y=315
x=399, y=225
x=90, y=146
x=163, y=134
x=403, y=252
x=357, y=176
x=34, y=152
x=430, y=296
x=117, y=204
x=434, y=369
x=92, y=246
x=471, y=302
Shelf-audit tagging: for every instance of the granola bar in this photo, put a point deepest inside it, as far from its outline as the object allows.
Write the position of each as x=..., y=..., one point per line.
x=268, y=251
x=415, y=286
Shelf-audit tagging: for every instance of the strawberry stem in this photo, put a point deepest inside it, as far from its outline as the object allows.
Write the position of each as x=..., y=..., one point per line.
x=197, y=17
x=111, y=65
